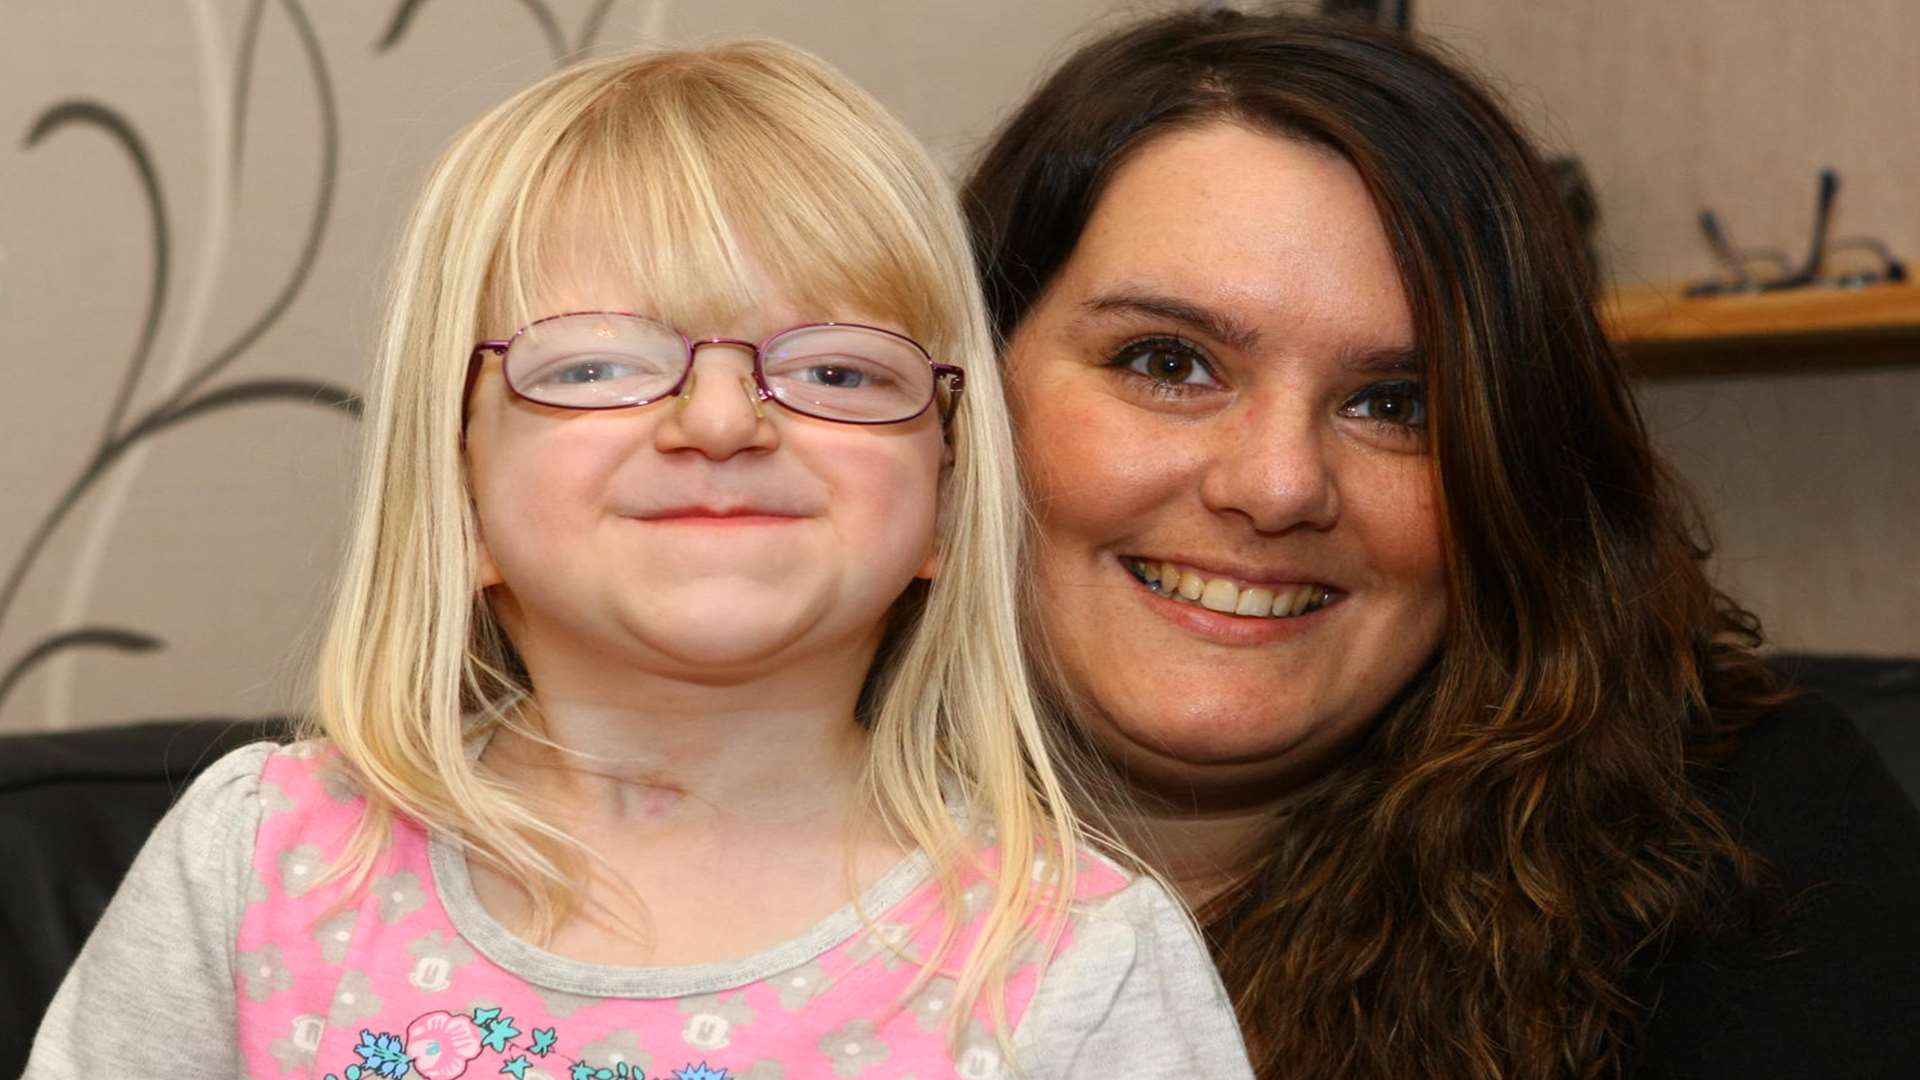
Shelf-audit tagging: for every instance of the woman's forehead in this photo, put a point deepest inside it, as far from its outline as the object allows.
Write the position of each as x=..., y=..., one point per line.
x=1260, y=234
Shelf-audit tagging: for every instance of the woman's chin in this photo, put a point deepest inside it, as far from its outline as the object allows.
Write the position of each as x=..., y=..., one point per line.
x=1231, y=758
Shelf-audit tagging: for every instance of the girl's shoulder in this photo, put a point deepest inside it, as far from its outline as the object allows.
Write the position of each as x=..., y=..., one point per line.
x=262, y=805
x=224, y=793
x=1132, y=989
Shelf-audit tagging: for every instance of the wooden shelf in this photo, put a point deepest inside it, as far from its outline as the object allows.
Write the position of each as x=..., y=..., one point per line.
x=1667, y=334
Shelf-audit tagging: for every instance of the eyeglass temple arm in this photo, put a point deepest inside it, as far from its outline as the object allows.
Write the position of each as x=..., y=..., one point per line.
x=473, y=375
x=1822, y=216
x=956, y=380
x=1722, y=247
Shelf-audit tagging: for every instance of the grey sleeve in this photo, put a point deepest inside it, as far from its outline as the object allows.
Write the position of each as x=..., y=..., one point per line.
x=155, y=980
x=1133, y=994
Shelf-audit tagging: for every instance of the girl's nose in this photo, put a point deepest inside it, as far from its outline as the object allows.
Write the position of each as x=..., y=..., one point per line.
x=720, y=414
x=1272, y=465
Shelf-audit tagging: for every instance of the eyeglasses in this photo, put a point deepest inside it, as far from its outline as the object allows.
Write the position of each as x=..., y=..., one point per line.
x=1811, y=272
x=845, y=372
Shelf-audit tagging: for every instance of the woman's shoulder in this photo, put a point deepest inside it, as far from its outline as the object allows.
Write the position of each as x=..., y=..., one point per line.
x=1825, y=986
x=1808, y=792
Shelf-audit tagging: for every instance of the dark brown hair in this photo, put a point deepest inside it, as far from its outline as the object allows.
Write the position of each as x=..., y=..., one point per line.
x=1472, y=892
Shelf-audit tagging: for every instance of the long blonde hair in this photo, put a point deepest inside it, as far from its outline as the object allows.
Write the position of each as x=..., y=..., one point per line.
x=684, y=161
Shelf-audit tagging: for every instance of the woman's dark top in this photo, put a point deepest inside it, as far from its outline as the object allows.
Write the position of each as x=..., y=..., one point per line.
x=1834, y=991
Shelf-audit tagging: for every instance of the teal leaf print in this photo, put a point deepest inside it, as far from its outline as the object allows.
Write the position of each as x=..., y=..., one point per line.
x=580, y=1071
x=499, y=1032
x=517, y=1067
x=481, y=1016
x=383, y=1055
x=543, y=1039
x=699, y=1072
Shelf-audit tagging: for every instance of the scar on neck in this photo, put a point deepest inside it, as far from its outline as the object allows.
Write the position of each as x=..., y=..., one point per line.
x=657, y=797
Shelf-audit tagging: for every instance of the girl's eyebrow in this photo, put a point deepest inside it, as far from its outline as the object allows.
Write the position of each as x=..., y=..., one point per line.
x=1215, y=324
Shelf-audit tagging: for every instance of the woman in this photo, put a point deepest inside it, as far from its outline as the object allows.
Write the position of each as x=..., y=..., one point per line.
x=1354, y=557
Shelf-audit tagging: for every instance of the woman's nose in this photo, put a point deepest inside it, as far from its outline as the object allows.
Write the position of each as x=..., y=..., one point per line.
x=1273, y=466
x=718, y=412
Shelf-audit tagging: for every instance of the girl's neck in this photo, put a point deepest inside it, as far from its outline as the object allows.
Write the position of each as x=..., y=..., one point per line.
x=772, y=799
x=740, y=760
x=611, y=738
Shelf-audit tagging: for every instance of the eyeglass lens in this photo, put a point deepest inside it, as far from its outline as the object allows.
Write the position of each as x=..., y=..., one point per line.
x=603, y=361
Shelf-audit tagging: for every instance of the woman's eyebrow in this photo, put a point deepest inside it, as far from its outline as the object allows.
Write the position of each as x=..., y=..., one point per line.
x=1217, y=325
x=1393, y=360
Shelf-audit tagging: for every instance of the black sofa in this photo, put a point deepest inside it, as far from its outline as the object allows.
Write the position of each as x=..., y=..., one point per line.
x=76, y=806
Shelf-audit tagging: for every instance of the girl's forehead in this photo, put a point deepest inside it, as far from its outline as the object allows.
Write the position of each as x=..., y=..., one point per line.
x=602, y=283
x=707, y=279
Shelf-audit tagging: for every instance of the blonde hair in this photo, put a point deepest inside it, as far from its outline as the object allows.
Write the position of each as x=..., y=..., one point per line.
x=685, y=160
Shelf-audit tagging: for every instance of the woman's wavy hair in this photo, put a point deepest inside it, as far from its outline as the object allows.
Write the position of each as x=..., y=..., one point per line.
x=1473, y=892
x=710, y=177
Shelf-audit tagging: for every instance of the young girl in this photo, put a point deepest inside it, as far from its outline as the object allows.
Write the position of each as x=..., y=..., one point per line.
x=673, y=721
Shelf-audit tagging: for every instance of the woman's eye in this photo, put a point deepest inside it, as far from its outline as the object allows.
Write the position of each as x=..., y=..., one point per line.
x=1167, y=361
x=1401, y=405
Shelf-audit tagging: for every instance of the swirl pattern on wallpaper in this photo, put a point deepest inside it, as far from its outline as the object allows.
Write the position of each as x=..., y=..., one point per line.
x=208, y=387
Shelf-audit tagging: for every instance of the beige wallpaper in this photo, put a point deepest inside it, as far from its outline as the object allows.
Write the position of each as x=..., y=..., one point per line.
x=1811, y=481
x=198, y=201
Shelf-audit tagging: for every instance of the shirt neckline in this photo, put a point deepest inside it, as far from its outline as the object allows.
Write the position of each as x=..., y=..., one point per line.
x=454, y=884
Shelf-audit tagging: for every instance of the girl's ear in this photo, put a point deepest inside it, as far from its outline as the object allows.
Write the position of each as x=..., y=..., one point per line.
x=932, y=563
x=485, y=574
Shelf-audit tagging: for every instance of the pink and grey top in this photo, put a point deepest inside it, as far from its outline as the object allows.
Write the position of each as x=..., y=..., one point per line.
x=228, y=951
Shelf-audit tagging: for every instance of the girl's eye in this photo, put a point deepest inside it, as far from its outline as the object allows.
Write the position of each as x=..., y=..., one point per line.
x=1168, y=362
x=588, y=371
x=1400, y=407
x=840, y=378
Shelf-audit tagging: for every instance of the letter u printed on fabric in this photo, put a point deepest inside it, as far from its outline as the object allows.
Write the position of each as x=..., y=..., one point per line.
x=381, y=986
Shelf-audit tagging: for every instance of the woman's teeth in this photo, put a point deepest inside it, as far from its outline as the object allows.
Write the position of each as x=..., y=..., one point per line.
x=1221, y=594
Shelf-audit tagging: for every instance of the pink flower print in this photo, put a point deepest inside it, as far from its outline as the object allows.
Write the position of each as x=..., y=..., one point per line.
x=441, y=1044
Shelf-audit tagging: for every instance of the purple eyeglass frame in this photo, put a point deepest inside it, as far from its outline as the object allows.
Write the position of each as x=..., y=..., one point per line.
x=955, y=376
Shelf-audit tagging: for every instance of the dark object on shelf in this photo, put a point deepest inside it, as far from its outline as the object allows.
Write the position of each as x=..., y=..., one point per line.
x=1576, y=194
x=1386, y=14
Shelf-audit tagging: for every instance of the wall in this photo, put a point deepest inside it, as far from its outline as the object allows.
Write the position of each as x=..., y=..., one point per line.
x=198, y=206
x=1811, y=481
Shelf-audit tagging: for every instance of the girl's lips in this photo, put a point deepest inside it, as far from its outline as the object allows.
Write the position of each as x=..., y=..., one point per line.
x=723, y=520
x=719, y=517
